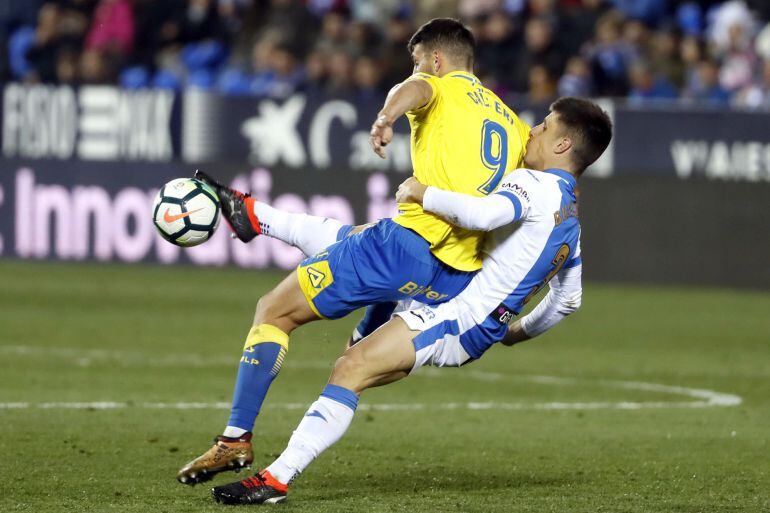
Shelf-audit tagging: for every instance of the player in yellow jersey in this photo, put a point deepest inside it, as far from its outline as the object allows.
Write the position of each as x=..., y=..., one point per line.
x=463, y=139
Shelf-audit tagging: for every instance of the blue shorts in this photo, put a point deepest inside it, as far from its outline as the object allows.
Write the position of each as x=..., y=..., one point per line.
x=386, y=262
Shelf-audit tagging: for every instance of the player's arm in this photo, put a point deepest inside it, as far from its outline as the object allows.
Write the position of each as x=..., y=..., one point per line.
x=485, y=213
x=563, y=298
x=406, y=96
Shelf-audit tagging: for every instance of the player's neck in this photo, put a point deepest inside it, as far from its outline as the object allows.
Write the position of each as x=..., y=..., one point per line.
x=561, y=164
x=446, y=70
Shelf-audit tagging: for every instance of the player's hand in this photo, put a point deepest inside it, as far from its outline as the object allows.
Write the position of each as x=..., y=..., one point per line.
x=411, y=191
x=381, y=135
x=515, y=334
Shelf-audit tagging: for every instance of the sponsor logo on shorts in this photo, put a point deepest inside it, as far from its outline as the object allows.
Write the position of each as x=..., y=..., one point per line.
x=412, y=289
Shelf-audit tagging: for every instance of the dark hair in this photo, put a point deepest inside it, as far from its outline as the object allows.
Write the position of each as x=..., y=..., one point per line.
x=589, y=127
x=448, y=35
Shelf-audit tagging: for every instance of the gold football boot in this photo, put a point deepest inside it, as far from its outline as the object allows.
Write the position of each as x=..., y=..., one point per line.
x=225, y=454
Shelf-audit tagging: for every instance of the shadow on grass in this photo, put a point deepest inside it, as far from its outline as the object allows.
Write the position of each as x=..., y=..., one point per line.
x=429, y=481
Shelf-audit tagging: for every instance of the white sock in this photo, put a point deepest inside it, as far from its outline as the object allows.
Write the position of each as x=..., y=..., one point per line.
x=234, y=432
x=311, y=234
x=325, y=422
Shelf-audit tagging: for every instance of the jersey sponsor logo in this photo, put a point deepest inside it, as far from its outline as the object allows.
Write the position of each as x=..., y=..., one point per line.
x=169, y=218
x=517, y=189
x=412, y=289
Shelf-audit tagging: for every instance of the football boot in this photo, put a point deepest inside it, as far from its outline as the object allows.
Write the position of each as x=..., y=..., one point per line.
x=225, y=454
x=262, y=488
x=237, y=208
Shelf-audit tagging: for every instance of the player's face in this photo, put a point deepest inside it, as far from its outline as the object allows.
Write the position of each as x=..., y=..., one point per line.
x=543, y=139
x=533, y=155
x=423, y=60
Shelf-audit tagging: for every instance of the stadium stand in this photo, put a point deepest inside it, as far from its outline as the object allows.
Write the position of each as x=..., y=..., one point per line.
x=704, y=52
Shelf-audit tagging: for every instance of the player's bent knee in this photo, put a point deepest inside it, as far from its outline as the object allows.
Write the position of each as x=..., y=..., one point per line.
x=347, y=366
x=273, y=309
x=264, y=305
x=285, y=306
x=349, y=371
x=266, y=312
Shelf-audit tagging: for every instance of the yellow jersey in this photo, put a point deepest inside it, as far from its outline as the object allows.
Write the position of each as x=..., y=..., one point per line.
x=465, y=139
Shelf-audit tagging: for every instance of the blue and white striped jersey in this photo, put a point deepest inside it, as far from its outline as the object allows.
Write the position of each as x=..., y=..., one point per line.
x=535, y=234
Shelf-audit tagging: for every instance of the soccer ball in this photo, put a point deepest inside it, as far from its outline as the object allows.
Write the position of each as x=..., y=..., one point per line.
x=186, y=212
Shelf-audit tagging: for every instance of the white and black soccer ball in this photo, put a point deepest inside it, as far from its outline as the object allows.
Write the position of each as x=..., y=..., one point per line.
x=186, y=212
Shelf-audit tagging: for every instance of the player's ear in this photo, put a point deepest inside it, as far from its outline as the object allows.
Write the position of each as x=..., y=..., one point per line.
x=563, y=145
x=437, y=61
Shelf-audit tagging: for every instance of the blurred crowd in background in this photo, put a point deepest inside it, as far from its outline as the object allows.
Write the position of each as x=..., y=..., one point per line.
x=698, y=51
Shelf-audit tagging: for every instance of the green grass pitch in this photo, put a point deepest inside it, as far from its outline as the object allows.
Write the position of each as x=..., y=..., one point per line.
x=503, y=434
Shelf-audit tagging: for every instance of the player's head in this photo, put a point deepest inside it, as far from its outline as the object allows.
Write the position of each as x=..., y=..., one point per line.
x=442, y=45
x=572, y=136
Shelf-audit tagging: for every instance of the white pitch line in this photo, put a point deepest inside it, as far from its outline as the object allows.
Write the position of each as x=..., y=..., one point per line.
x=703, y=398
x=713, y=399
x=501, y=406
x=91, y=357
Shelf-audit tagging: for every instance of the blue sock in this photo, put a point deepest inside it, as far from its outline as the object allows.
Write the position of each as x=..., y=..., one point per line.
x=263, y=355
x=374, y=317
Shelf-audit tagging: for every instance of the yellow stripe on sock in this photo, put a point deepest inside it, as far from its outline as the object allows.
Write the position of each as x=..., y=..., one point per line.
x=278, y=362
x=262, y=333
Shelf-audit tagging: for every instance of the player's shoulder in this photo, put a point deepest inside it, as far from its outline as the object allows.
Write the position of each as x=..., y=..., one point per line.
x=451, y=85
x=435, y=93
x=419, y=76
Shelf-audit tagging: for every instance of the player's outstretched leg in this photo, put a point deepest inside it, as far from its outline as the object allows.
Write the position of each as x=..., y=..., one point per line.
x=249, y=217
x=278, y=313
x=384, y=357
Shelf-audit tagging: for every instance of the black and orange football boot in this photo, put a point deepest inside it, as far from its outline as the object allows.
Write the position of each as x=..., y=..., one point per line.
x=262, y=488
x=226, y=454
x=237, y=208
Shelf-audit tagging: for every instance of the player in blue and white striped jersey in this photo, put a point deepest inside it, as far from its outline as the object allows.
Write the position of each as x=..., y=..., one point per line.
x=534, y=240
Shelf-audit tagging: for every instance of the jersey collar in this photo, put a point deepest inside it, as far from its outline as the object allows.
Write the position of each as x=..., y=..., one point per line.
x=464, y=74
x=568, y=177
